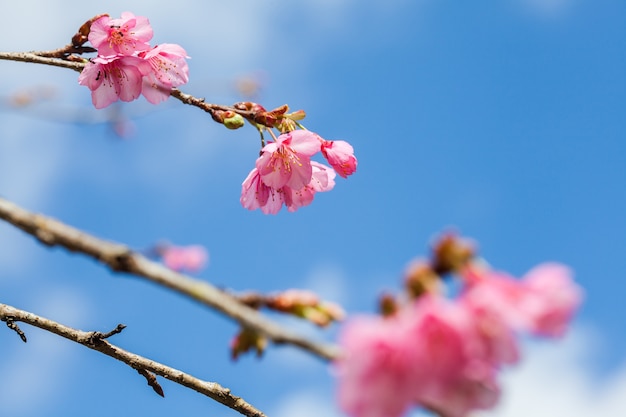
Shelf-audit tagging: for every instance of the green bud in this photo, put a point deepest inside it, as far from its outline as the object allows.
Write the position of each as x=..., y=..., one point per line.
x=234, y=122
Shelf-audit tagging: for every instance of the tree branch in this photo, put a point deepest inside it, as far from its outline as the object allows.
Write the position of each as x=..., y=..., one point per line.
x=120, y=258
x=52, y=58
x=96, y=341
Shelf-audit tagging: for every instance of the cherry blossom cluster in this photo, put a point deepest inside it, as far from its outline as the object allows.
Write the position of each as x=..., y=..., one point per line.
x=443, y=353
x=127, y=66
x=285, y=173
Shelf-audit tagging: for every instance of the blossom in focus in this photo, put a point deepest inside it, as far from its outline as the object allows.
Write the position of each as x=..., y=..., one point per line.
x=169, y=69
x=184, y=258
x=123, y=36
x=127, y=67
x=322, y=179
x=117, y=78
x=287, y=161
x=255, y=194
x=340, y=155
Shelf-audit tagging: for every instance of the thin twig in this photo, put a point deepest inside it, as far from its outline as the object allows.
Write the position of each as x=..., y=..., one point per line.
x=120, y=258
x=95, y=341
x=39, y=59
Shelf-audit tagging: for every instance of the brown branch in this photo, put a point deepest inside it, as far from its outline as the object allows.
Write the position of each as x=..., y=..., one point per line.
x=54, y=58
x=41, y=58
x=145, y=366
x=120, y=258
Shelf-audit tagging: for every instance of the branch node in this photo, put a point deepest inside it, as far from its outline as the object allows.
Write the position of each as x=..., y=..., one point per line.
x=122, y=262
x=152, y=381
x=13, y=326
x=97, y=337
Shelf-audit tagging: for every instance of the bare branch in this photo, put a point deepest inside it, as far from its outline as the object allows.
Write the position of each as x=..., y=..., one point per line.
x=95, y=341
x=41, y=58
x=120, y=258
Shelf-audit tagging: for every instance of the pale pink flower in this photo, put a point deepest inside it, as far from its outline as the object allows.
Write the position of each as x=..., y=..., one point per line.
x=287, y=161
x=322, y=179
x=169, y=69
x=185, y=258
x=123, y=36
x=552, y=298
x=112, y=79
x=375, y=376
x=340, y=155
x=255, y=194
x=543, y=301
x=427, y=354
x=451, y=372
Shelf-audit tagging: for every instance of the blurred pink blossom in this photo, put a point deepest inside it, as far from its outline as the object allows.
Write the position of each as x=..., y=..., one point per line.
x=184, y=258
x=445, y=354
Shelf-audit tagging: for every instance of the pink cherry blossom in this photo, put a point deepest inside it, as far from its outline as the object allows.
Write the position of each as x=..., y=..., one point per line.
x=552, y=298
x=287, y=161
x=451, y=372
x=428, y=354
x=255, y=194
x=322, y=179
x=375, y=375
x=112, y=79
x=542, y=302
x=340, y=155
x=123, y=36
x=169, y=69
x=185, y=258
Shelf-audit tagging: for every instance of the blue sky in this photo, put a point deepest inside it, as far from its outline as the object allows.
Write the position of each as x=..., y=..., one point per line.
x=503, y=120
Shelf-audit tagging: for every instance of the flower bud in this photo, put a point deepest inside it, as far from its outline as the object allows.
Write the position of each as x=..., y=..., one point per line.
x=420, y=279
x=234, y=122
x=246, y=341
x=451, y=254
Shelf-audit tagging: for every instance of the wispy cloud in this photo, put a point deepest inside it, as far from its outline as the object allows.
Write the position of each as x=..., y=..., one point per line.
x=558, y=379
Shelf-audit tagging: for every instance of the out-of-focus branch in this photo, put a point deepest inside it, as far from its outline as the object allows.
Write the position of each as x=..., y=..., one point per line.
x=120, y=258
x=145, y=366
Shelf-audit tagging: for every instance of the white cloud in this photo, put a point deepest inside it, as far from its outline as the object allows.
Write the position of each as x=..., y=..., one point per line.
x=305, y=404
x=558, y=379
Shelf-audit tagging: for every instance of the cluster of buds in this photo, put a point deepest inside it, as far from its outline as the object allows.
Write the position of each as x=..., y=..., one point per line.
x=303, y=304
x=307, y=305
x=445, y=353
x=127, y=66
